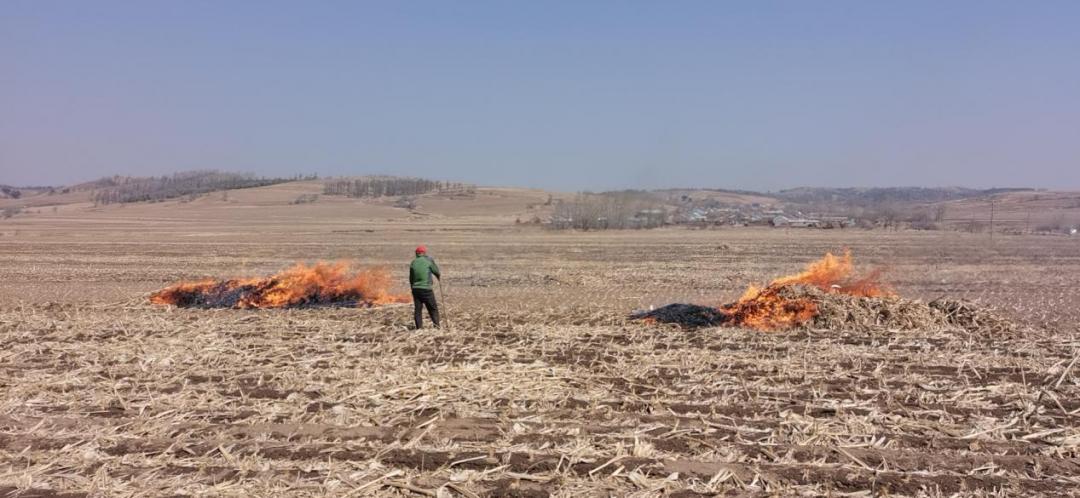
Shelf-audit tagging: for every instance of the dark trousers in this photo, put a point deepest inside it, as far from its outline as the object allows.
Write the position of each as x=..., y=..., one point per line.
x=420, y=299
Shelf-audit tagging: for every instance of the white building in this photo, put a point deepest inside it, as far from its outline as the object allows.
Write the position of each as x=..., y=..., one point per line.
x=784, y=221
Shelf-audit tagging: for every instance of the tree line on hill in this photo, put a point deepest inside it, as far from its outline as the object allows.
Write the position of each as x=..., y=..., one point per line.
x=390, y=186
x=9, y=192
x=123, y=189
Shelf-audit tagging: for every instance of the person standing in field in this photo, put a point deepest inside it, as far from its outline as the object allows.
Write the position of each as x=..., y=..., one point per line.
x=421, y=271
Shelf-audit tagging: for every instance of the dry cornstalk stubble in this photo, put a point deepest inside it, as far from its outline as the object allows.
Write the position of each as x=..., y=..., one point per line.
x=543, y=388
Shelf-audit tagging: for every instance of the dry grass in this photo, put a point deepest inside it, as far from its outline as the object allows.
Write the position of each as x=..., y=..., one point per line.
x=541, y=387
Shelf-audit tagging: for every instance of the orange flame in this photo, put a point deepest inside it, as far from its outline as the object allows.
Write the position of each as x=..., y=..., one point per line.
x=769, y=308
x=324, y=284
x=836, y=274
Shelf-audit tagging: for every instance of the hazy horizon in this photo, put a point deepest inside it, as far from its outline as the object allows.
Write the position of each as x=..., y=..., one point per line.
x=564, y=96
x=481, y=184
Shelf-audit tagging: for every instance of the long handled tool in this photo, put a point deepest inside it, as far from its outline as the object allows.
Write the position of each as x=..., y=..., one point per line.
x=442, y=311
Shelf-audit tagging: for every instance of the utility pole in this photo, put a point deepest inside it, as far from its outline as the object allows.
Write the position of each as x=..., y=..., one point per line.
x=991, y=219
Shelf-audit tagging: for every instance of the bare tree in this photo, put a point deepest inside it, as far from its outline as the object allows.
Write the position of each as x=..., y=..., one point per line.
x=940, y=212
x=610, y=210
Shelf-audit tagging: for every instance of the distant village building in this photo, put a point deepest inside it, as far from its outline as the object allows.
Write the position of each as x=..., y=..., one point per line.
x=786, y=222
x=562, y=221
x=649, y=218
x=741, y=215
x=835, y=221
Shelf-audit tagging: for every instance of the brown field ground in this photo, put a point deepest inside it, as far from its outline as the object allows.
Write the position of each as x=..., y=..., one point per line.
x=540, y=386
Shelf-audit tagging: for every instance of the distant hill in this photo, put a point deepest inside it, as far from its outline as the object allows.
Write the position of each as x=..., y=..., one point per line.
x=722, y=196
x=873, y=196
x=838, y=197
x=188, y=195
x=137, y=189
x=127, y=189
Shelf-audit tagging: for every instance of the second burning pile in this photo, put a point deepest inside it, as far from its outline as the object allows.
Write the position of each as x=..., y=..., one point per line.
x=829, y=295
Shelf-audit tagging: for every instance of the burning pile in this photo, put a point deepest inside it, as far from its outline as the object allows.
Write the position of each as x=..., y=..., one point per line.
x=324, y=284
x=828, y=294
x=791, y=301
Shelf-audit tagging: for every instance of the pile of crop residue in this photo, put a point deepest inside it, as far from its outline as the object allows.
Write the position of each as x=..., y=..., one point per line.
x=827, y=296
x=842, y=311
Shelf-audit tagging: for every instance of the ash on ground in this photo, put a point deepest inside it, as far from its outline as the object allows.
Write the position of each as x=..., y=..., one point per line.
x=684, y=315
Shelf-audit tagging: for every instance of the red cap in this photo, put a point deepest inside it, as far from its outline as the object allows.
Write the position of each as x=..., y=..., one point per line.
x=421, y=250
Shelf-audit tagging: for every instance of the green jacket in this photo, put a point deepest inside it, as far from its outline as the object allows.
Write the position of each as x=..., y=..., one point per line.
x=420, y=272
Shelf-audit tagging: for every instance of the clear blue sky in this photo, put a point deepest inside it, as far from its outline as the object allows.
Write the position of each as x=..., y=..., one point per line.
x=567, y=95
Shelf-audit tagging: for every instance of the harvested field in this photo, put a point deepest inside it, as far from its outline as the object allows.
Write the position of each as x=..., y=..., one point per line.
x=337, y=401
x=541, y=386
